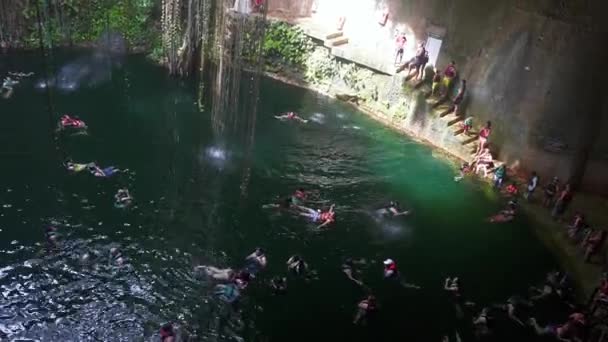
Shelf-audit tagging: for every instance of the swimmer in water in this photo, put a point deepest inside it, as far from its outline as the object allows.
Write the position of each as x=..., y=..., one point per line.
x=75, y=167
x=68, y=122
x=365, y=308
x=299, y=197
x=290, y=116
x=279, y=285
x=393, y=209
x=465, y=169
x=297, y=265
x=104, y=173
x=228, y=293
x=122, y=198
x=7, y=87
x=225, y=274
x=166, y=333
x=317, y=216
x=116, y=258
x=255, y=261
x=242, y=279
x=52, y=237
x=506, y=215
x=348, y=267
x=391, y=272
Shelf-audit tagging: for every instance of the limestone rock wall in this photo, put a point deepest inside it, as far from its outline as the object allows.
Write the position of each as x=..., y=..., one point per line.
x=535, y=68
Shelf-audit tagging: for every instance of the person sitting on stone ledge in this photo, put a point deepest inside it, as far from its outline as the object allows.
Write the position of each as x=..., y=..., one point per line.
x=436, y=82
x=448, y=76
x=416, y=62
x=484, y=162
x=576, y=226
x=572, y=330
x=550, y=191
x=499, y=175
x=563, y=199
x=467, y=125
x=511, y=190
x=592, y=243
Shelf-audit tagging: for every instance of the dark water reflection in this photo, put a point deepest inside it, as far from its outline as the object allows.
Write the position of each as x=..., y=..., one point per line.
x=198, y=198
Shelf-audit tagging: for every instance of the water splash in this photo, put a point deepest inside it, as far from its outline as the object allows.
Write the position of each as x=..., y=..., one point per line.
x=91, y=70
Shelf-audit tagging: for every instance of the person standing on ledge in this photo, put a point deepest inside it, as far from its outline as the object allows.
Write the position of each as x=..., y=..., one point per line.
x=448, y=76
x=400, y=47
x=532, y=184
x=484, y=134
x=459, y=97
x=436, y=82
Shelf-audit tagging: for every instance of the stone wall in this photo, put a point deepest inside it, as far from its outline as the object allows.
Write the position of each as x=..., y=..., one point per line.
x=535, y=68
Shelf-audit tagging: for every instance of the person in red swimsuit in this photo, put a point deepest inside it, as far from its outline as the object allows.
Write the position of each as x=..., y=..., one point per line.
x=325, y=217
x=484, y=134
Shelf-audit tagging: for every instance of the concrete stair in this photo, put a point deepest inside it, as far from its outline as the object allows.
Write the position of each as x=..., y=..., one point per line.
x=451, y=119
x=469, y=140
x=334, y=35
x=334, y=39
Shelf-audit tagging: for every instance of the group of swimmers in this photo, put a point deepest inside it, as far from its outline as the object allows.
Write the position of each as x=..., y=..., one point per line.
x=122, y=197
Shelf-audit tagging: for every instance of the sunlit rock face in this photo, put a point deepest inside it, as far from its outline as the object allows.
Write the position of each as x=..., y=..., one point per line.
x=533, y=68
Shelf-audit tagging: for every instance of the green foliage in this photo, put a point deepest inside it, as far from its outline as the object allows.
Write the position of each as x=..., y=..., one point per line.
x=80, y=21
x=321, y=66
x=287, y=45
x=356, y=77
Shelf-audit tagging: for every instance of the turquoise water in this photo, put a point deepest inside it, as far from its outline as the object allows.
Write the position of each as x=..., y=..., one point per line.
x=198, y=200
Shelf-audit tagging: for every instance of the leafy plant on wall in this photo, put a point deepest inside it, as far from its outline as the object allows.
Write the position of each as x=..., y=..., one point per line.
x=286, y=45
x=321, y=67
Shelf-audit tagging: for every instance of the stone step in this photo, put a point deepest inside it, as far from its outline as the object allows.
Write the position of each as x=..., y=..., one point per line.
x=334, y=35
x=458, y=131
x=469, y=141
x=452, y=119
x=336, y=42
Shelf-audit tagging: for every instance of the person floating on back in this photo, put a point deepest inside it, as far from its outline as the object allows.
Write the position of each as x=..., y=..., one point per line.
x=318, y=216
x=67, y=122
x=75, y=167
x=103, y=173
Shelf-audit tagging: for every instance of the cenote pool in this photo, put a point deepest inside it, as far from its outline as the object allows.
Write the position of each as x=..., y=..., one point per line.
x=198, y=200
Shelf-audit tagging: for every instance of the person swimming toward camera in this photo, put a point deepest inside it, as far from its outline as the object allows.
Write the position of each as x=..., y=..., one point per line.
x=393, y=209
x=123, y=198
